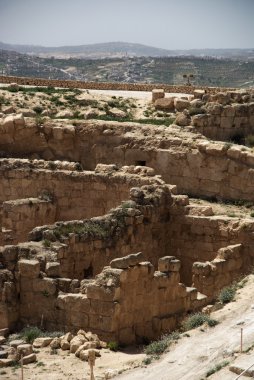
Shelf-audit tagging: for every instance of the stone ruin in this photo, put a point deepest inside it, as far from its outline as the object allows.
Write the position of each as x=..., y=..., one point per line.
x=96, y=234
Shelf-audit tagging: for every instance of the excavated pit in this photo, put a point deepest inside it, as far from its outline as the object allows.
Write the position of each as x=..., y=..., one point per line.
x=95, y=231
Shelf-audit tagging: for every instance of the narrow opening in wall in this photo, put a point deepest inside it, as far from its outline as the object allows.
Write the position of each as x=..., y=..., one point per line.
x=140, y=163
x=88, y=273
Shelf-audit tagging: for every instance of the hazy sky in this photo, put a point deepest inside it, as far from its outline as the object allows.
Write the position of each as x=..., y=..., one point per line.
x=170, y=24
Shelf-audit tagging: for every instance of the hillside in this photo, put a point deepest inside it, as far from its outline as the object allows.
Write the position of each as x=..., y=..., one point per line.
x=110, y=49
x=122, y=49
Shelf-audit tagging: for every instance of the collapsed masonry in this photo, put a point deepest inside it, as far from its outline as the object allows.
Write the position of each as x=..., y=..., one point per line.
x=116, y=250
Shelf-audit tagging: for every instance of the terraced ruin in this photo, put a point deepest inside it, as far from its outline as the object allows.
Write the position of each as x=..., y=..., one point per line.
x=113, y=226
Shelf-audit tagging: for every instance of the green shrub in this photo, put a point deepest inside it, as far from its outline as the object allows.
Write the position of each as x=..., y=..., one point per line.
x=113, y=346
x=38, y=109
x=46, y=243
x=227, y=294
x=252, y=214
x=216, y=368
x=198, y=319
x=31, y=333
x=147, y=360
x=159, y=346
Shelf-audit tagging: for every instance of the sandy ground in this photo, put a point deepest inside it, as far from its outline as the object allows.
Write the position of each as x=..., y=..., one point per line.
x=133, y=94
x=193, y=356
x=64, y=365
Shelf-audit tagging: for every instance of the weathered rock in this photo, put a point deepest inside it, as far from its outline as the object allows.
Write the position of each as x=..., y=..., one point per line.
x=5, y=362
x=55, y=343
x=165, y=104
x=115, y=112
x=83, y=355
x=16, y=343
x=76, y=342
x=53, y=269
x=183, y=119
x=169, y=264
x=42, y=342
x=65, y=345
x=29, y=359
x=65, y=114
x=24, y=349
x=157, y=94
x=181, y=104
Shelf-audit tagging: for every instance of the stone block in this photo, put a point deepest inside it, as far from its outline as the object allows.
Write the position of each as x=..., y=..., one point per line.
x=166, y=104
x=157, y=94
x=29, y=359
x=181, y=104
x=53, y=269
x=24, y=349
x=169, y=264
x=42, y=342
x=29, y=268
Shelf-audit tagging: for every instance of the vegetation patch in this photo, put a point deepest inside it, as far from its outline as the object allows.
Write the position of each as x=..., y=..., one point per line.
x=227, y=294
x=198, y=319
x=216, y=368
x=159, y=346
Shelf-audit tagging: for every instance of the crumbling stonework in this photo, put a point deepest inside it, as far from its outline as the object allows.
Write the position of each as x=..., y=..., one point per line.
x=95, y=230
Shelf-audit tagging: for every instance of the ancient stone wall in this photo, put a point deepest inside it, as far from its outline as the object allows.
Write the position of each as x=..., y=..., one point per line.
x=230, y=264
x=64, y=194
x=193, y=238
x=19, y=217
x=198, y=167
x=105, y=85
x=226, y=123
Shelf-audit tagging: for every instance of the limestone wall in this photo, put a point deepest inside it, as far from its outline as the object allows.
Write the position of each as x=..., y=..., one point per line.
x=105, y=85
x=138, y=224
x=116, y=304
x=226, y=123
x=197, y=166
x=198, y=238
x=19, y=217
x=230, y=264
x=74, y=194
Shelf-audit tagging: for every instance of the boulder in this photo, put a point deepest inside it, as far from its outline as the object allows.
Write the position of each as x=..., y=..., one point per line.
x=24, y=349
x=181, y=104
x=165, y=104
x=42, y=342
x=65, y=114
x=83, y=355
x=65, y=345
x=55, y=343
x=183, y=119
x=115, y=112
x=76, y=342
x=16, y=343
x=29, y=359
x=6, y=362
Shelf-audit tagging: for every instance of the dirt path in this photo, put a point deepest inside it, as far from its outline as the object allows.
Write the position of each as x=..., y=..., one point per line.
x=193, y=356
